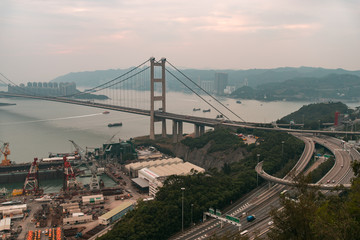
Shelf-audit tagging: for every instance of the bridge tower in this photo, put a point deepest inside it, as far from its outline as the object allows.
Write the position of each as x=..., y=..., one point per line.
x=153, y=98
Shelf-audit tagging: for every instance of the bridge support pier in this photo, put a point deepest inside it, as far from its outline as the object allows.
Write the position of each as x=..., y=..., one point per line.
x=202, y=130
x=174, y=131
x=177, y=131
x=180, y=131
x=199, y=130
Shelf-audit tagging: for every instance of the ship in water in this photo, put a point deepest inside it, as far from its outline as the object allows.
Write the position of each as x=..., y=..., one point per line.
x=115, y=124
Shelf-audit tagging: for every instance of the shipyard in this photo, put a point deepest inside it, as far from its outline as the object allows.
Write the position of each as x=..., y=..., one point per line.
x=96, y=188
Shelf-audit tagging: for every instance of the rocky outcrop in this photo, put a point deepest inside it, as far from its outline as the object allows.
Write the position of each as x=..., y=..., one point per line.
x=206, y=160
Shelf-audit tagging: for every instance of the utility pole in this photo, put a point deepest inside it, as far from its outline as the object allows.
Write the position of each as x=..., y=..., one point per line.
x=192, y=205
x=182, y=209
x=257, y=174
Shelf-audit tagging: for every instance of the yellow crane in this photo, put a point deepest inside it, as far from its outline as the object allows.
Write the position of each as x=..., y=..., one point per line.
x=6, y=151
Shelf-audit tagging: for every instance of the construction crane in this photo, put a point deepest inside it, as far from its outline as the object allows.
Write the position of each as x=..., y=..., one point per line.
x=31, y=184
x=6, y=151
x=94, y=181
x=69, y=180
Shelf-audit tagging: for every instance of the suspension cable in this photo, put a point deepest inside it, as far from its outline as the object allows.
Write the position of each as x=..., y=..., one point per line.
x=101, y=85
x=196, y=94
x=25, y=91
x=206, y=92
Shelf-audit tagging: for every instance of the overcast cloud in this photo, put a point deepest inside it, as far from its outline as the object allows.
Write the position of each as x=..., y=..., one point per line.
x=42, y=39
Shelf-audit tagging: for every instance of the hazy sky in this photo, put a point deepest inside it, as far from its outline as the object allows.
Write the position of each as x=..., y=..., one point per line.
x=43, y=39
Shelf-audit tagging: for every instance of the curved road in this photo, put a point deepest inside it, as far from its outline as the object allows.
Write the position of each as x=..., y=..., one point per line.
x=262, y=200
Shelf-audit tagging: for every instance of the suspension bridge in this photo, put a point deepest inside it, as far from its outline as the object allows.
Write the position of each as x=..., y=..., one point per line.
x=142, y=90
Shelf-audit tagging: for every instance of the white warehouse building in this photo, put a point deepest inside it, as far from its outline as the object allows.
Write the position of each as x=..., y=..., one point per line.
x=153, y=176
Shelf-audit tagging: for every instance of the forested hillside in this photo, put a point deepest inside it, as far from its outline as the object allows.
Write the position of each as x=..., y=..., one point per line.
x=313, y=115
x=315, y=216
x=333, y=86
x=161, y=218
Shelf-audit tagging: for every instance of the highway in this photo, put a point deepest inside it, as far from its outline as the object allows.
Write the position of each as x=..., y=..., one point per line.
x=258, y=202
x=341, y=175
x=261, y=200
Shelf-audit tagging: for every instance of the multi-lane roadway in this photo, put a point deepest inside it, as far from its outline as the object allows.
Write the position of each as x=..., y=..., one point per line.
x=260, y=201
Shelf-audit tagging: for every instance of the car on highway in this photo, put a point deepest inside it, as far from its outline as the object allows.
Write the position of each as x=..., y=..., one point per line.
x=243, y=233
x=328, y=181
x=333, y=181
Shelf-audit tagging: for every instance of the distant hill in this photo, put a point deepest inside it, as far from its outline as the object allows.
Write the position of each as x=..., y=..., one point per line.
x=313, y=114
x=330, y=87
x=237, y=78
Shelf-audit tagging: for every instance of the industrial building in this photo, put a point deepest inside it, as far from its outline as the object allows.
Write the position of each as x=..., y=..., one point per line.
x=152, y=174
x=122, y=151
x=71, y=207
x=5, y=209
x=116, y=213
x=133, y=168
x=77, y=219
x=93, y=199
x=13, y=211
x=5, y=224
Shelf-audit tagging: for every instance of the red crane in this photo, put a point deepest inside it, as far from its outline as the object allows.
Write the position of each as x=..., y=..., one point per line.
x=31, y=184
x=69, y=178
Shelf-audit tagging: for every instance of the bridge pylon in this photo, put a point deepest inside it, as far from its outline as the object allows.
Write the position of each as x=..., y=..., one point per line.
x=161, y=98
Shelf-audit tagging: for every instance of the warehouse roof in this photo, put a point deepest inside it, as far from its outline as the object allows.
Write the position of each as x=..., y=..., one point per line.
x=173, y=169
x=116, y=210
x=141, y=182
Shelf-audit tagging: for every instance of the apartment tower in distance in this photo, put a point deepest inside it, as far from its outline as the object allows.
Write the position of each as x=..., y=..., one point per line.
x=221, y=81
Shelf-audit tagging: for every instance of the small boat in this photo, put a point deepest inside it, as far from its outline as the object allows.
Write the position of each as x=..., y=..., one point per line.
x=115, y=124
x=106, y=112
x=196, y=109
x=206, y=110
x=238, y=101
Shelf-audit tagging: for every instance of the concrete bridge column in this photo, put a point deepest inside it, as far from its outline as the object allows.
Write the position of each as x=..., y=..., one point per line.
x=180, y=131
x=197, y=130
x=202, y=130
x=163, y=132
x=174, y=131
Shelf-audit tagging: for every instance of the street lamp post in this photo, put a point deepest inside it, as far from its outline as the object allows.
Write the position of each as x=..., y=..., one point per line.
x=192, y=205
x=182, y=209
x=257, y=174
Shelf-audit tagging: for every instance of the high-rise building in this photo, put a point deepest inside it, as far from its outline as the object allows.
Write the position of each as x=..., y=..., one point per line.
x=45, y=89
x=221, y=81
x=208, y=86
